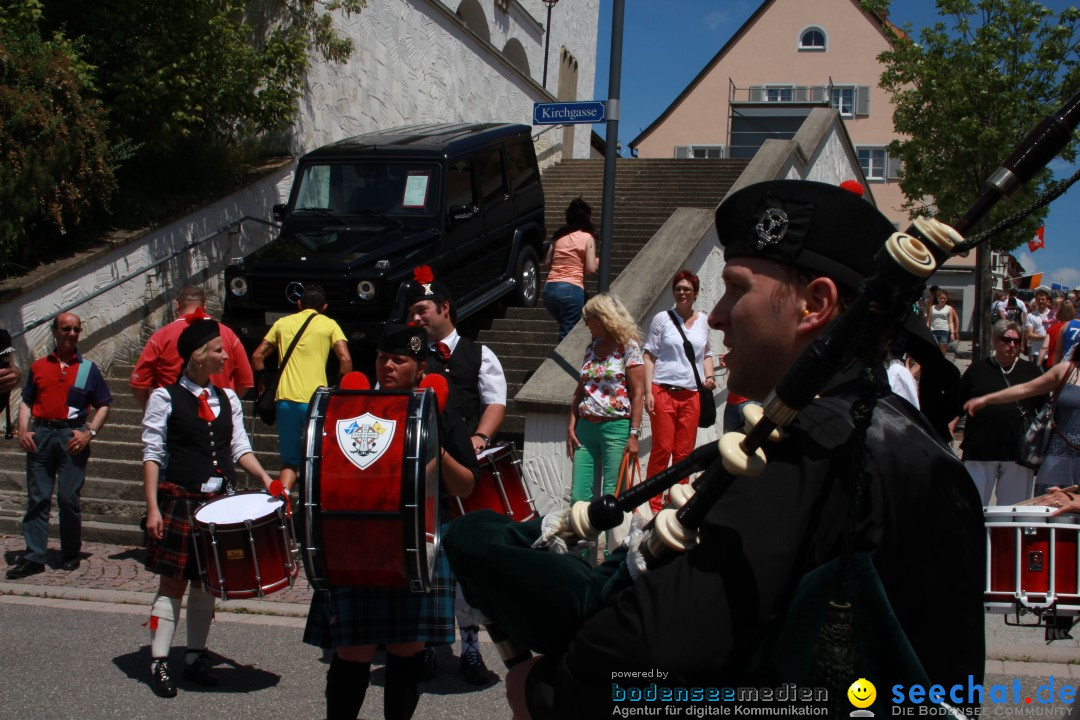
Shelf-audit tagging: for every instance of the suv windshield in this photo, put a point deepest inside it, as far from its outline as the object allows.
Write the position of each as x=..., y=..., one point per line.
x=369, y=189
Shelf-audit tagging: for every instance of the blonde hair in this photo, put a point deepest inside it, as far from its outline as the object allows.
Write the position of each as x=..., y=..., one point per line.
x=614, y=316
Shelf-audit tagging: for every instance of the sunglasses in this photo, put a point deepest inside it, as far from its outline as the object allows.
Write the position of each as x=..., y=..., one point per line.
x=1010, y=340
x=683, y=290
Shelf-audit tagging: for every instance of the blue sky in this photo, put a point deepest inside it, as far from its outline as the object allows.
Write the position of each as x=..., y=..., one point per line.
x=667, y=42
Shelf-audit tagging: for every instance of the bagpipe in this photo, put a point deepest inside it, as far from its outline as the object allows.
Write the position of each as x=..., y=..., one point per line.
x=884, y=300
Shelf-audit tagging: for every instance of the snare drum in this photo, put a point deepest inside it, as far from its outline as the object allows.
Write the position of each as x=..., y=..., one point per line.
x=501, y=486
x=371, y=489
x=1031, y=560
x=244, y=545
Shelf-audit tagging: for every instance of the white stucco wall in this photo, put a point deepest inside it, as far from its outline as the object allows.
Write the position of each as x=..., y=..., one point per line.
x=117, y=322
x=415, y=62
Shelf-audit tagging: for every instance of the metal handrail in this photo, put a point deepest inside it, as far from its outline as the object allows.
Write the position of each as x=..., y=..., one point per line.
x=232, y=228
x=548, y=128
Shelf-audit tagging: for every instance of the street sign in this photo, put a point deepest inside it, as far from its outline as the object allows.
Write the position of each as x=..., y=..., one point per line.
x=568, y=113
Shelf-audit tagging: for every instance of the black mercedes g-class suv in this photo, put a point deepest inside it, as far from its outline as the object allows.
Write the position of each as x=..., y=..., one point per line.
x=363, y=212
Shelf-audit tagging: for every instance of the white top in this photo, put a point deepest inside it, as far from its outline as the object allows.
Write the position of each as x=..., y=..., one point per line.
x=666, y=346
x=492, y=380
x=902, y=382
x=1037, y=323
x=156, y=418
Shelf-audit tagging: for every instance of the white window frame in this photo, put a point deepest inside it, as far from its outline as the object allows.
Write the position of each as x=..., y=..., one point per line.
x=778, y=88
x=841, y=89
x=801, y=47
x=717, y=150
x=868, y=168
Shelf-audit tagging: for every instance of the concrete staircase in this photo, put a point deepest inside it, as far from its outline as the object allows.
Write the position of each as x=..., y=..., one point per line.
x=647, y=192
x=112, y=498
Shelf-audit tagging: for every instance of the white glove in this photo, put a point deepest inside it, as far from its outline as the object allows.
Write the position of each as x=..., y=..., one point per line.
x=550, y=527
x=635, y=561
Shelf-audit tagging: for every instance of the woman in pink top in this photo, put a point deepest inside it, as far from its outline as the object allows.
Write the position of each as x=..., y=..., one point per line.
x=570, y=257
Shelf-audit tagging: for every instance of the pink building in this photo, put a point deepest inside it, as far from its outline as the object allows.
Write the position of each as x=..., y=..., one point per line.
x=790, y=57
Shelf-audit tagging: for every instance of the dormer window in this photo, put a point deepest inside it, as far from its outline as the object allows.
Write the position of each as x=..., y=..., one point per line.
x=812, y=38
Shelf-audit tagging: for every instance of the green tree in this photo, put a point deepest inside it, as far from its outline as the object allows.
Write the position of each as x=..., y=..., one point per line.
x=965, y=94
x=54, y=169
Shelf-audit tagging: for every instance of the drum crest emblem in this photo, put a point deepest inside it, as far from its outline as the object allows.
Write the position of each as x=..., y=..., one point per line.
x=364, y=439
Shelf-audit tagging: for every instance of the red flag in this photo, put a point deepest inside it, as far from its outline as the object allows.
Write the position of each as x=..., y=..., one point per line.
x=1037, y=241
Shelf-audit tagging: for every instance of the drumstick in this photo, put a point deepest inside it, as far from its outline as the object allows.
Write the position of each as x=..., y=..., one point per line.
x=1031, y=501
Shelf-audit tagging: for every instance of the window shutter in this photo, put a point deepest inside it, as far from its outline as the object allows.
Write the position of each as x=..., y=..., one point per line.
x=817, y=93
x=682, y=151
x=862, y=100
x=892, y=167
x=757, y=93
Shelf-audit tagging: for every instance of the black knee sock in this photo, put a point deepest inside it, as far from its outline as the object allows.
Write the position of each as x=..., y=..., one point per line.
x=346, y=685
x=403, y=676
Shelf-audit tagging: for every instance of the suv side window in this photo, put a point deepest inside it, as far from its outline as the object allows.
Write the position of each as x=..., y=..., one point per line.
x=459, y=185
x=490, y=169
x=520, y=163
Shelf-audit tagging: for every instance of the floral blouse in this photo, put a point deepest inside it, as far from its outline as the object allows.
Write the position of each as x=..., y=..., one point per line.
x=607, y=393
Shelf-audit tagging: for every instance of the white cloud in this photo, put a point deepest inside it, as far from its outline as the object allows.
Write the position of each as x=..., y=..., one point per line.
x=1067, y=276
x=715, y=19
x=1024, y=258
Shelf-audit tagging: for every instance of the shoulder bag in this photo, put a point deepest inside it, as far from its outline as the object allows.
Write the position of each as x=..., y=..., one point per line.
x=266, y=403
x=1036, y=438
x=707, y=415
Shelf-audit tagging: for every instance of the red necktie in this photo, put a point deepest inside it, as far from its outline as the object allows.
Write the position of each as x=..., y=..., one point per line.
x=205, y=413
x=443, y=350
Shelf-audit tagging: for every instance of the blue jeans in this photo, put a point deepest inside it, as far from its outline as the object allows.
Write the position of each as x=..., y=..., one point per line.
x=53, y=461
x=564, y=301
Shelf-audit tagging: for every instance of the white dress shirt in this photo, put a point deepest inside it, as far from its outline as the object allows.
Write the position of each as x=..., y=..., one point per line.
x=491, y=383
x=156, y=419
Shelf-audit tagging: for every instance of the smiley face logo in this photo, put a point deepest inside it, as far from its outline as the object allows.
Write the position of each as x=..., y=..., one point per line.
x=862, y=693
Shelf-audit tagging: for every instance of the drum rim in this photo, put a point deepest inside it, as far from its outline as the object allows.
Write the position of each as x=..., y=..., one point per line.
x=255, y=521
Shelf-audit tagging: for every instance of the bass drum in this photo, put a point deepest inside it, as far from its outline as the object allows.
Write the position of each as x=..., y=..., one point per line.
x=371, y=489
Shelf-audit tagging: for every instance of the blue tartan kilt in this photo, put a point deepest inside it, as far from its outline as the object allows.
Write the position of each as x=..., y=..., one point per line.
x=373, y=616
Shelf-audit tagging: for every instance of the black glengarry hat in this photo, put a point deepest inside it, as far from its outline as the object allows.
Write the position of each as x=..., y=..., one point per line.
x=398, y=339
x=820, y=227
x=424, y=286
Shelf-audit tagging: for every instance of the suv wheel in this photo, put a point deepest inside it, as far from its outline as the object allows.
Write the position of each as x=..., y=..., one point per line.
x=528, y=278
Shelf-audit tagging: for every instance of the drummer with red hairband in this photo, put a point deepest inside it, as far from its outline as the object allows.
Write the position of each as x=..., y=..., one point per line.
x=196, y=430
x=354, y=622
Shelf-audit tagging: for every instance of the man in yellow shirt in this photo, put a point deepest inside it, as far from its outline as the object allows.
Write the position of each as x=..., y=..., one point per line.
x=303, y=374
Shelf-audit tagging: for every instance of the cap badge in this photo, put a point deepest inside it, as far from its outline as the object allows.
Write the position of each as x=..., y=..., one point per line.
x=771, y=228
x=427, y=288
x=414, y=344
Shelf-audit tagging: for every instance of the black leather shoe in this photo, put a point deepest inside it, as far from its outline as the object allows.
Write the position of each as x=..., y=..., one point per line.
x=24, y=568
x=429, y=663
x=474, y=669
x=199, y=673
x=70, y=562
x=161, y=679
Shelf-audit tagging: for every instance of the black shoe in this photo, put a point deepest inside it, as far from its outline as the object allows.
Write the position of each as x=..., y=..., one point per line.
x=474, y=669
x=161, y=679
x=199, y=673
x=24, y=568
x=70, y=562
x=429, y=663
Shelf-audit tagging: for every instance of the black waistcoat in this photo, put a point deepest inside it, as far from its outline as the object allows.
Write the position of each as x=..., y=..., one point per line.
x=198, y=449
x=462, y=373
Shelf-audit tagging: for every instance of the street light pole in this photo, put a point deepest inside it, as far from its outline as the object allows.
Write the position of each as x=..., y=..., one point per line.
x=547, y=36
x=611, y=151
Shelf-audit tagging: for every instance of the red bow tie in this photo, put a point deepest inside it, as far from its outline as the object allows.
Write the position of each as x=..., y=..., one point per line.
x=443, y=350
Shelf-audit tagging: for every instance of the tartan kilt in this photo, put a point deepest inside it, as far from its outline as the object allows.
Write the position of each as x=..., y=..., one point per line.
x=373, y=616
x=174, y=555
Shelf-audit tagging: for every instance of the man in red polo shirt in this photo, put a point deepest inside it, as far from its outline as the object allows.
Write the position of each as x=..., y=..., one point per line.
x=159, y=364
x=53, y=430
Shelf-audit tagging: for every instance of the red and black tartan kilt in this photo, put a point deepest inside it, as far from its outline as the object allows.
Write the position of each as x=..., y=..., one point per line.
x=174, y=555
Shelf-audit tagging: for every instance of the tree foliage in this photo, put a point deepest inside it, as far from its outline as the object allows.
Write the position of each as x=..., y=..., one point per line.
x=967, y=91
x=54, y=169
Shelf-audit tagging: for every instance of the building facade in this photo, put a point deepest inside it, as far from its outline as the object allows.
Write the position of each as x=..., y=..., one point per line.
x=423, y=61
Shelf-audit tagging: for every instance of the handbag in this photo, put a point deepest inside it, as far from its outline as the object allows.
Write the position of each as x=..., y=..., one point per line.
x=266, y=403
x=1036, y=438
x=629, y=475
x=707, y=413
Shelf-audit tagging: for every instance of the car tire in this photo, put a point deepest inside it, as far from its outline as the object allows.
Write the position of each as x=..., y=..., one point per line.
x=527, y=276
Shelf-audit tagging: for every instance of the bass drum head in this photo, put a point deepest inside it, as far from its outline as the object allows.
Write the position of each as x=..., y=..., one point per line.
x=424, y=534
